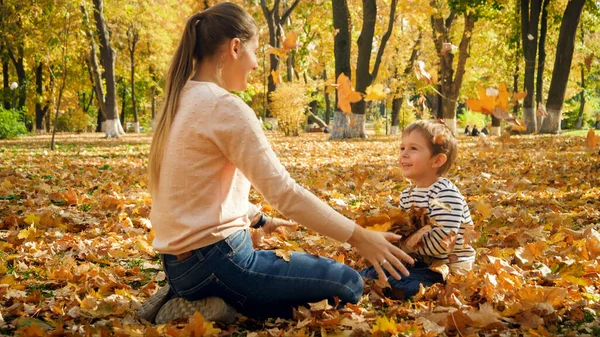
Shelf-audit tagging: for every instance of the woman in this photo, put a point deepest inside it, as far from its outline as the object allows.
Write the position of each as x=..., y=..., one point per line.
x=208, y=148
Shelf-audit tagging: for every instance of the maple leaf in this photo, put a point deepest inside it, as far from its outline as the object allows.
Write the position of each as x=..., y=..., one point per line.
x=197, y=326
x=541, y=110
x=591, y=140
x=346, y=94
x=276, y=77
x=469, y=234
x=384, y=324
x=291, y=40
x=421, y=73
x=284, y=254
x=484, y=209
x=414, y=239
x=281, y=52
x=495, y=102
x=32, y=219
x=485, y=316
x=435, y=202
x=375, y=92
x=588, y=61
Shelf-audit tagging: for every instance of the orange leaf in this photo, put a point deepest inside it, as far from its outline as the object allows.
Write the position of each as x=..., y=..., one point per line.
x=591, y=140
x=291, y=40
x=346, y=94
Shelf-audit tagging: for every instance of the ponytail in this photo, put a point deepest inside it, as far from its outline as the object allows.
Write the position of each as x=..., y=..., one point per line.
x=226, y=21
x=180, y=71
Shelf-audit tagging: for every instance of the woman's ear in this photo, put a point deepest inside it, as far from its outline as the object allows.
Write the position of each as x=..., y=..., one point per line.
x=235, y=47
x=439, y=160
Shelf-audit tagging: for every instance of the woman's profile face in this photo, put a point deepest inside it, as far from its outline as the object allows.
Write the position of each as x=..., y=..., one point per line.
x=242, y=62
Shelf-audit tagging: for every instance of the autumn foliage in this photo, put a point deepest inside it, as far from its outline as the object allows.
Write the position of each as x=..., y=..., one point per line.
x=76, y=256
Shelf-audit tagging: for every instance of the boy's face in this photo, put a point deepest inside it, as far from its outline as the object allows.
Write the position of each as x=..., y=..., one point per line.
x=416, y=160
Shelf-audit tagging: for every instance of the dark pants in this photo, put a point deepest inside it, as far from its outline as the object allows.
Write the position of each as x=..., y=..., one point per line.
x=408, y=286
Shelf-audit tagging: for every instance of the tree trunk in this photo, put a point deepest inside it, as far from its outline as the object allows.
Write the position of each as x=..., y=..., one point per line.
x=364, y=75
x=348, y=126
x=396, y=107
x=451, y=82
x=398, y=98
x=581, y=101
x=562, y=65
x=341, y=41
x=94, y=70
x=539, y=82
x=21, y=77
x=290, y=67
x=133, y=43
x=6, y=96
x=40, y=111
x=123, y=101
x=327, y=100
x=101, y=121
x=107, y=59
x=274, y=22
x=530, y=14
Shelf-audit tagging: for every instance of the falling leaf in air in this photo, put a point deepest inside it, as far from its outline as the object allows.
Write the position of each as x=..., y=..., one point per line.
x=346, y=94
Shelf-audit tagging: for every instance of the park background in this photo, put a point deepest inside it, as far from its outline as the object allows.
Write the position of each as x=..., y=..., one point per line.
x=75, y=239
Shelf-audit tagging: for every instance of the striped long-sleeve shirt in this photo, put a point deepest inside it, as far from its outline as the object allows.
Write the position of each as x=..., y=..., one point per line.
x=447, y=207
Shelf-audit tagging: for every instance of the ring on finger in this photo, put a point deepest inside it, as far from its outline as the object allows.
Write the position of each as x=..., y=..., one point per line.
x=384, y=262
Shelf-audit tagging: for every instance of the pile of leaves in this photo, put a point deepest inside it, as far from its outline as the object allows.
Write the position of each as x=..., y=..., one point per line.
x=76, y=256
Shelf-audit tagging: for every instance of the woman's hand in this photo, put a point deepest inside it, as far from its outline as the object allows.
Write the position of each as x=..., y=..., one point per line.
x=272, y=224
x=377, y=248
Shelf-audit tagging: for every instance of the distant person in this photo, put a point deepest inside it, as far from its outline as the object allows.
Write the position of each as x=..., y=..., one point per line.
x=485, y=131
x=468, y=131
x=475, y=131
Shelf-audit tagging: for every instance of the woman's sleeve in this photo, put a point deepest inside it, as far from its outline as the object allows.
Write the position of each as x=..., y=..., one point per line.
x=239, y=135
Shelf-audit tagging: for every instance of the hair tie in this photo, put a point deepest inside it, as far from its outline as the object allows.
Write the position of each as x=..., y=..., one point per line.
x=199, y=17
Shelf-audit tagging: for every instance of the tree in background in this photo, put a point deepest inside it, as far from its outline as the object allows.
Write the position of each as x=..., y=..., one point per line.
x=562, y=66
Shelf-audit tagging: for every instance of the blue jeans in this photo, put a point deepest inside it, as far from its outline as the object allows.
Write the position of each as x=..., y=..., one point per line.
x=408, y=286
x=258, y=283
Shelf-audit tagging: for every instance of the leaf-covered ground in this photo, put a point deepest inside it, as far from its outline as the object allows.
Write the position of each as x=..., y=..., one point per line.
x=76, y=256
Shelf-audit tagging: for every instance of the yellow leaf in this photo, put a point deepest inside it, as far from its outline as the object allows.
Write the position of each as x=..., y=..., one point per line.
x=276, y=77
x=32, y=219
x=484, y=209
x=375, y=92
x=279, y=52
x=27, y=233
x=385, y=324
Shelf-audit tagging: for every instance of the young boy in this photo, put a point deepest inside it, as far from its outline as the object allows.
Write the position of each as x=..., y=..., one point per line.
x=427, y=151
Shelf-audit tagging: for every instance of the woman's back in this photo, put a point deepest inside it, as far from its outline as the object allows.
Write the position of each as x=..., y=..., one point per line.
x=201, y=197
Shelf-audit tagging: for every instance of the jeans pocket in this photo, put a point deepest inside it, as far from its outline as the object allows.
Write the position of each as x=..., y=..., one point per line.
x=180, y=269
x=236, y=241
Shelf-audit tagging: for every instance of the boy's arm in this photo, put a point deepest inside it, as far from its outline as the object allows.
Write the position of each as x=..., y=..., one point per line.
x=447, y=211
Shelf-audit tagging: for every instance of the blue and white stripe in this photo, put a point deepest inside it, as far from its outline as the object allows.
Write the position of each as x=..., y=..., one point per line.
x=447, y=207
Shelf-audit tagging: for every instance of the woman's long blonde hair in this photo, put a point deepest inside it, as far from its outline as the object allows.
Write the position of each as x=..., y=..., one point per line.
x=204, y=33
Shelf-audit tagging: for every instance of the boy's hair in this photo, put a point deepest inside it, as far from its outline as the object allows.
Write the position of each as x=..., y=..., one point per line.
x=440, y=140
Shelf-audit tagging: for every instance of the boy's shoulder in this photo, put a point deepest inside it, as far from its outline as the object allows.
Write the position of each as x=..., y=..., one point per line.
x=444, y=185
